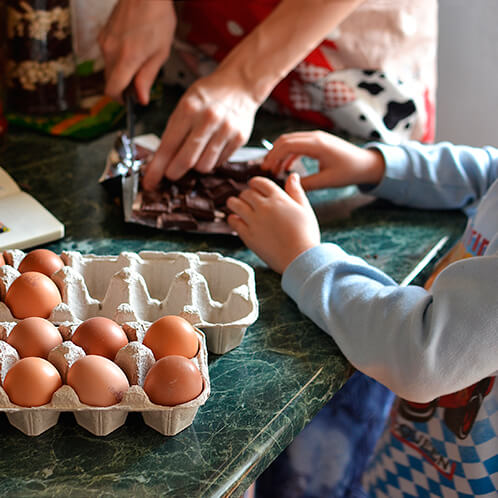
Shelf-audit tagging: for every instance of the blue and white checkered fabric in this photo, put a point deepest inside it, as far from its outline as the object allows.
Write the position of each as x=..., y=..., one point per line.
x=416, y=459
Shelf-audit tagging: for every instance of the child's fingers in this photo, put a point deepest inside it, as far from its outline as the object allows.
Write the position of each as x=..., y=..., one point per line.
x=288, y=145
x=285, y=165
x=264, y=186
x=251, y=197
x=294, y=189
x=240, y=227
x=235, y=221
x=239, y=207
x=324, y=179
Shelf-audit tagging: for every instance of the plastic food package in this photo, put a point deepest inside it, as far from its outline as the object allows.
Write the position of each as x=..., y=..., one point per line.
x=55, y=75
x=40, y=66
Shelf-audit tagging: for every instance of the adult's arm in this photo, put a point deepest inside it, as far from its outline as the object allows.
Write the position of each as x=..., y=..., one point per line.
x=216, y=114
x=265, y=56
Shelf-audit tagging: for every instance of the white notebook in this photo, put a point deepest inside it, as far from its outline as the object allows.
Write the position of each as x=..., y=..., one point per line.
x=24, y=222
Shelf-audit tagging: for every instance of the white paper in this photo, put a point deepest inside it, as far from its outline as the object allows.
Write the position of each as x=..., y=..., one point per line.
x=24, y=222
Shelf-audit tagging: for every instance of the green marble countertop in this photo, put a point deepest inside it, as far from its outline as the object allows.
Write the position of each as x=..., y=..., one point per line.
x=263, y=392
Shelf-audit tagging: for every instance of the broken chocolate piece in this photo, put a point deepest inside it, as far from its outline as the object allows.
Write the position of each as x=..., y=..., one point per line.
x=183, y=221
x=237, y=171
x=155, y=202
x=176, y=203
x=187, y=182
x=238, y=187
x=197, y=202
x=209, y=182
x=199, y=207
x=222, y=192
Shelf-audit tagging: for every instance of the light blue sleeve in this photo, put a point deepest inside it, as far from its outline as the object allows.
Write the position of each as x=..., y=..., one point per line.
x=419, y=344
x=441, y=176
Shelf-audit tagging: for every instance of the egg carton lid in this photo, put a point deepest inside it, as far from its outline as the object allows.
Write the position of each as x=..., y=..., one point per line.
x=100, y=421
x=211, y=291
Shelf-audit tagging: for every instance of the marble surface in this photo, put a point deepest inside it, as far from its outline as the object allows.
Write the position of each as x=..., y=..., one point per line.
x=263, y=392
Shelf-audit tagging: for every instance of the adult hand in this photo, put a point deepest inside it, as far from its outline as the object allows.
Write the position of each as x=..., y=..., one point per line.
x=341, y=163
x=135, y=42
x=213, y=118
x=278, y=226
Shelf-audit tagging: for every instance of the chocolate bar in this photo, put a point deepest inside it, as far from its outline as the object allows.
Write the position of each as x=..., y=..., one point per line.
x=197, y=202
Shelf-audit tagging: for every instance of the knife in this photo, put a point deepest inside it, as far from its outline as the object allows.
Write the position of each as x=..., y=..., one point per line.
x=130, y=99
x=425, y=261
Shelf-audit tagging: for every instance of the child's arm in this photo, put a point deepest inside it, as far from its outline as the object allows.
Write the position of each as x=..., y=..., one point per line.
x=420, y=344
x=341, y=163
x=441, y=176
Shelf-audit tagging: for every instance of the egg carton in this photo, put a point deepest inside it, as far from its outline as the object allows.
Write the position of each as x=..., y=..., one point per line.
x=135, y=359
x=214, y=293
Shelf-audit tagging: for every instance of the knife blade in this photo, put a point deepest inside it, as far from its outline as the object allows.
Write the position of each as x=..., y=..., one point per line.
x=130, y=104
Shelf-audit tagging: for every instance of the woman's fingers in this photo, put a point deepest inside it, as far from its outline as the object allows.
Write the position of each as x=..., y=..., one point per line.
x=119, y=76
x=220, y=140
x=172, y=138
x=237, y=141
x=147, y=74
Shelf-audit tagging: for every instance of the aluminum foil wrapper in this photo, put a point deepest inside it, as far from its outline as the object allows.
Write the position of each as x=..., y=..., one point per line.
x=195, y=203
x=127, y=157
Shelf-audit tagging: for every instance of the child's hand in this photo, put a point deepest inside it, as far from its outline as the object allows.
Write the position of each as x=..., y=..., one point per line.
x=278, y=226
x=341, y=163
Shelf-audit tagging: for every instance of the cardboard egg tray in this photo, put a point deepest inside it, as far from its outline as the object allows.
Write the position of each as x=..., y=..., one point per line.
x=214, y=293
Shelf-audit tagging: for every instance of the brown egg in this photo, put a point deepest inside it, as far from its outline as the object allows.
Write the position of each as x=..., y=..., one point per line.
x=173, y=380
x=172, y=335
x=2, y=260
x=31, y=382
x=32, y=294
x=97, y=381
x=41, y=260
x=100, y=336
x=34, y=336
